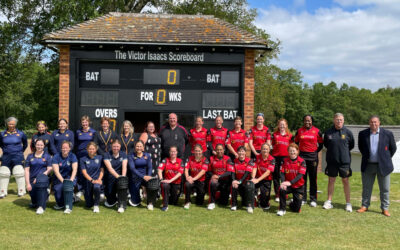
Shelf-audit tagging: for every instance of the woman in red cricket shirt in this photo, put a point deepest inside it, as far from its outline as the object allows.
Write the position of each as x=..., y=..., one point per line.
x=170, y=172
x=198, y=136
x=280, y=143
x=310, y=142
x=237, y=137
x=292, y=172
x=258, y=135
x=262, y=175
x=222, y=172
x=240, y=185
x=195, y=170
x=217, y=135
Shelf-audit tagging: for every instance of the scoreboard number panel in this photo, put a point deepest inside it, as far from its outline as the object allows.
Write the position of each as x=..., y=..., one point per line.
x=161, y=76
x=99, y=98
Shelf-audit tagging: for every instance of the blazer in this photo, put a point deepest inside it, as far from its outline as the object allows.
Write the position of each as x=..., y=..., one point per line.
x=386, y=149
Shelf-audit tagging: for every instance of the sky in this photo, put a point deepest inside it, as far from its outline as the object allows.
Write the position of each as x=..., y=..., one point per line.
x=346, y=41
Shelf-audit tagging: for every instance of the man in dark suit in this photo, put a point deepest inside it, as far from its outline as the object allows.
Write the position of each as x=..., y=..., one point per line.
x=377, y=147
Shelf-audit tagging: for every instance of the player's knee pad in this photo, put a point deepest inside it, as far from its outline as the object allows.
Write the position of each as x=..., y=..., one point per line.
x=5, y=174
x=19, y=173
x=122, y=182
x=68, y=190
x=249, y=191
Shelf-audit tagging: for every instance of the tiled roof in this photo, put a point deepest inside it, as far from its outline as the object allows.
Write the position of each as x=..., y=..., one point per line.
x=129, y=28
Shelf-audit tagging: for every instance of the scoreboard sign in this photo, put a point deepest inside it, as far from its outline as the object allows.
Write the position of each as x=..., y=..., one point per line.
x=140, y=85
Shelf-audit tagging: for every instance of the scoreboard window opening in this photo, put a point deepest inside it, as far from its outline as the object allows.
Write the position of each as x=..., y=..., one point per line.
x=109, y=76
x=97, y=98
x=161, y=76
x=229, y=78
x=220, y=100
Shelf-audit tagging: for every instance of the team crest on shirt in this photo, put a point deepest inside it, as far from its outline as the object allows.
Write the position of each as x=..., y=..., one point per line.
x=57, y=134
x=313, y=131
x=80, y=133
x=87, y=162
x=47, y=141
x=43, y=159
x=145, y=157
x=90, y=134
x=5, y=135
x=66, y=135
x=60, y=164
x=17, y=134
x=287, y=171
x=302, y=137
x=97, y=161
x=120, y=159
x=330, y=137
x=343, y=137
x=132, y=140
x=31, y=159
x=68, y=163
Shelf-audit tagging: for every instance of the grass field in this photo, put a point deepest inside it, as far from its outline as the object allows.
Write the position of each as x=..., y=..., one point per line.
x=197, y=228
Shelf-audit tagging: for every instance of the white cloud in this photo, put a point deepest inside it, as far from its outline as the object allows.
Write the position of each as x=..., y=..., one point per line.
x=358, y=47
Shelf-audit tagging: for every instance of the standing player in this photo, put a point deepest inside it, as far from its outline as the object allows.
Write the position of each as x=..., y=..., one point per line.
x=292, y=171
x=65, y=167
x=42, y=133
x=93, y=171
x=217, y=135
x=37, y=168
x=13, y=142
x=310, y=142
x=173, y=134
x=170, y=172
x=222, y=174
x=195, y=170
x=258, y=135
x=116, y=163
x=105, y=137
x=237, y=137
x=262, y=175
x=62, y=134
x=126, y=137
x=281, y=140
x=198, y=136
x=243, y=168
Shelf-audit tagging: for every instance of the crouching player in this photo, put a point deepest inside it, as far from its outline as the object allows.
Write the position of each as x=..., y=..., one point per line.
x=262, y=175
x=65, y=166
x=37, y=167
x=222, y=173
x=93, y=171
x=195, y=170
x=240, y=185
x=170, y=172
x=292, y=171
x=116, y=163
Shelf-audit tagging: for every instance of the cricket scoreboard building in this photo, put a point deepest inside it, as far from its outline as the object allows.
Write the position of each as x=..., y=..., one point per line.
x=141, y=67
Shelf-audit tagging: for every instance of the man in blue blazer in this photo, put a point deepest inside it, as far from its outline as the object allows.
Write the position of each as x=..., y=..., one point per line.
x=377, y=147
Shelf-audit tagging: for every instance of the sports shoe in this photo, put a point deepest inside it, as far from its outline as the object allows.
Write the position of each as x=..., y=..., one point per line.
x=187, y=206
x=349, y=208
x=211, y=206
x=277, y=199
x=234, y=208
x=303, y=203
x=21, y=193
x=102, y=197
x=132, y=204
x=67, y=211
x=108, y=204
x=96, y=209
x=121, y=210
x=313, y=204
x=39, y=210
x=164, y=209
x=327, y=205
x=266, y=208
x=250, y=210
x=2, y=196
x=79, y=194
x=57, y=207
x=281, y=212
x=150, y=207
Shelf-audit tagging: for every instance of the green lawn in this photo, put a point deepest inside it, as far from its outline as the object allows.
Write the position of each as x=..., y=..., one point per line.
x=313, y=228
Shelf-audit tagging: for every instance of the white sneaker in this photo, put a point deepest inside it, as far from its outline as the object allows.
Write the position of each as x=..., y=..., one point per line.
x=150, y=207
x=277, y=199
x=313, y=204
x=303, y=203
x=108, y=204
x=349, y=208
x=21, y=193
x=211, y=206
x=96, y=209
x=67, y=211
x=234, y=208
x=39, y=210
x=79, y=194
x=327, y=205
x=187, y=206
x=2, y=196
x=281, y=212
x=250, y=210
x=102, y=197
x=121, y=210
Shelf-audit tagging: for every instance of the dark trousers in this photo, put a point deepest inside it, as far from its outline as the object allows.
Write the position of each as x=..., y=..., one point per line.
x=312, y=168
x=199, y=187
x=265, y=192
x=247, y=196
x=59, y=193
x=222, y=185
x=92, y=194
x=110, y=189
x=135, y=183
x=297, y=198
x=170, y=193
x=277, y=173
x=39, y=196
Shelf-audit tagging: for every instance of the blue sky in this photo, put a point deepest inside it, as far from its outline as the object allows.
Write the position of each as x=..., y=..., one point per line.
x=346, y=41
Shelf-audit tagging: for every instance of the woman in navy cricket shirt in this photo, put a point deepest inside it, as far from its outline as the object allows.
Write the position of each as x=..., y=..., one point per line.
x=42, y=133
x=93, y=171
x=104, y=137
x=140, y=167
x=62, y=134
x=36, y=164
x=127, y=137
x=116, y=163
x=65, y=167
